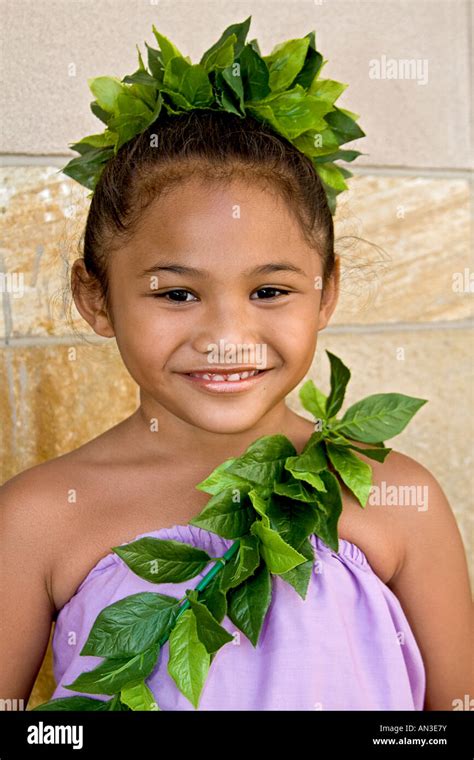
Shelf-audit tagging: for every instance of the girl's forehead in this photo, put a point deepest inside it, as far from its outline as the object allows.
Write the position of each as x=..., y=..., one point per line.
x=196, y=196
x=194, y=215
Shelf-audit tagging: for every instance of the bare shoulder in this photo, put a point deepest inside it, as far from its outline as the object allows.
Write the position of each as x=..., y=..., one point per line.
x=411, y=497
x=431, y=580
x=403, y=492
x=33, y=509
x=33, y=491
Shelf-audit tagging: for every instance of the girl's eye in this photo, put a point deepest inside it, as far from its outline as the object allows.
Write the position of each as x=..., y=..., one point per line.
x=179, y=291
x=269, y=289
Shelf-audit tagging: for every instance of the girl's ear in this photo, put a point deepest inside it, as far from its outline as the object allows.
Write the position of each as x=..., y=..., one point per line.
x=330, y=295
x=89, y=300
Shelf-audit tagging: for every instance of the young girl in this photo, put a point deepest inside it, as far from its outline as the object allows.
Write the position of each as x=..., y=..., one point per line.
x=215, y=236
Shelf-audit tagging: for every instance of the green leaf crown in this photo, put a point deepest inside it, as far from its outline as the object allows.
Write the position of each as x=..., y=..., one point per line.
x=284, y=90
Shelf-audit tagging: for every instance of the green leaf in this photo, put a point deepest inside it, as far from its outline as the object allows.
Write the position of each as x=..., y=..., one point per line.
x=339, y=155
x=308, y=465
x=189, y=659
x=314, y=440
x=187, y=84
x=293, y=520
x=292, y=112
x=131, y=625
x=249, y=603
x=239, y=31
x=254, y=74
x=155, y=63
x=379, y=454
x=327, y=89
x=144, y=87
x=353, y=116
x=331, y=501
x=378, y=417
x=356, y=474
x=331, y=175
x=228, y=90
x=278, y=555
x=228, y=513
x=317, y=143
x=196, y=87
x=133, y=117
x=294, y=489
x=242, y=565
x=87, y=169
x=73, y=704
x=214, y=598
x=163, y=560
x=263, y=461
x=107, y=91
x=221, y=57
x=138, y=696
x=343, y=126
x=102, y=140
x=340, y=376
x=260, y=504
x=104, y=116
x=168, y=49
x=312, y=64
x=285, y=61
x=220, y=479
x=300, y=576
x=115, y=672
x=210, y=633
x=313, y=400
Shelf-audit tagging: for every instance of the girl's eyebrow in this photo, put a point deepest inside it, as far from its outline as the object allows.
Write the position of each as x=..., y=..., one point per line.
x=280, y=266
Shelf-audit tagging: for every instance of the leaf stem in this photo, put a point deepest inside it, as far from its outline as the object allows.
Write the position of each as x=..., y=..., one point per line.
x=205, y=580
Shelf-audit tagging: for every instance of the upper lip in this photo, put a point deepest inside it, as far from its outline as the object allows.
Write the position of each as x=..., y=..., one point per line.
x=211, y=370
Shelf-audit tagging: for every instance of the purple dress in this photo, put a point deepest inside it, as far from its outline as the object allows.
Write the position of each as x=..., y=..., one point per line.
x=347, y=646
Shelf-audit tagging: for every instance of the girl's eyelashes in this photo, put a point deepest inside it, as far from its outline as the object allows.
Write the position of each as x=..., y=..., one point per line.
x=275, y=290
x=188, y=292
x=169, y=292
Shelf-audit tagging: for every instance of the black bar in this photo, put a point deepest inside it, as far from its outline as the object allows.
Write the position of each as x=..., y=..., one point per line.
x=138, y=734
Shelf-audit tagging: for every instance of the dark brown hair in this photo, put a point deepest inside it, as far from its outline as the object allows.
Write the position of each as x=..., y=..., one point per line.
x=214, y=145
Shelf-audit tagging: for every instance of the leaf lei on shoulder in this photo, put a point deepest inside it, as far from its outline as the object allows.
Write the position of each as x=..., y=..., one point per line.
x=283, y=90
x=269, y=501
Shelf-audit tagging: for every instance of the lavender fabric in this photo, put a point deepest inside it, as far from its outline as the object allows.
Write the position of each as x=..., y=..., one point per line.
x=347, y=646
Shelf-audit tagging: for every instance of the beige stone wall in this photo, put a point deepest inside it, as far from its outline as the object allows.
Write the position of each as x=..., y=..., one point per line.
x=403, y=229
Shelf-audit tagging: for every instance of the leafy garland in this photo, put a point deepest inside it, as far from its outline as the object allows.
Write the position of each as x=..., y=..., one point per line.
x=270, y=500
x=283, y=90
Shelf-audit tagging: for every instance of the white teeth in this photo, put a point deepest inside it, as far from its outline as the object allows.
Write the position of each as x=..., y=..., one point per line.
x=225, y=378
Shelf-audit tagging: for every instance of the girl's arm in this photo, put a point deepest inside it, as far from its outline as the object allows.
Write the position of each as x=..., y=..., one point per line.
x=25, y=602
x=432, y=585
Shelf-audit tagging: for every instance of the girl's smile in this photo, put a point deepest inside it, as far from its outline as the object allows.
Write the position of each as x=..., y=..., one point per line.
x=226, y=381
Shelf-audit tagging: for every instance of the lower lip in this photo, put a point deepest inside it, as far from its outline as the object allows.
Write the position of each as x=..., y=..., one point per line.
x=226, y=386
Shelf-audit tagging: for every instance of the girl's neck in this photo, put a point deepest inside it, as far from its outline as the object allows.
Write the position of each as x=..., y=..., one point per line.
x=176, y=440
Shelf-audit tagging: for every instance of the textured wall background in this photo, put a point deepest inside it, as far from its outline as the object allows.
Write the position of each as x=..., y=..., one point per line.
x=410, y=198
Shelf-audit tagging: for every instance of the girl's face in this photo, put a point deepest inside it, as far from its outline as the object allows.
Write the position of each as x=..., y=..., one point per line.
x=217, y=278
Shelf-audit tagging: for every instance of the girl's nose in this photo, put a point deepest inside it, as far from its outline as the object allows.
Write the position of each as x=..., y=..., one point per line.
x=231, y=324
